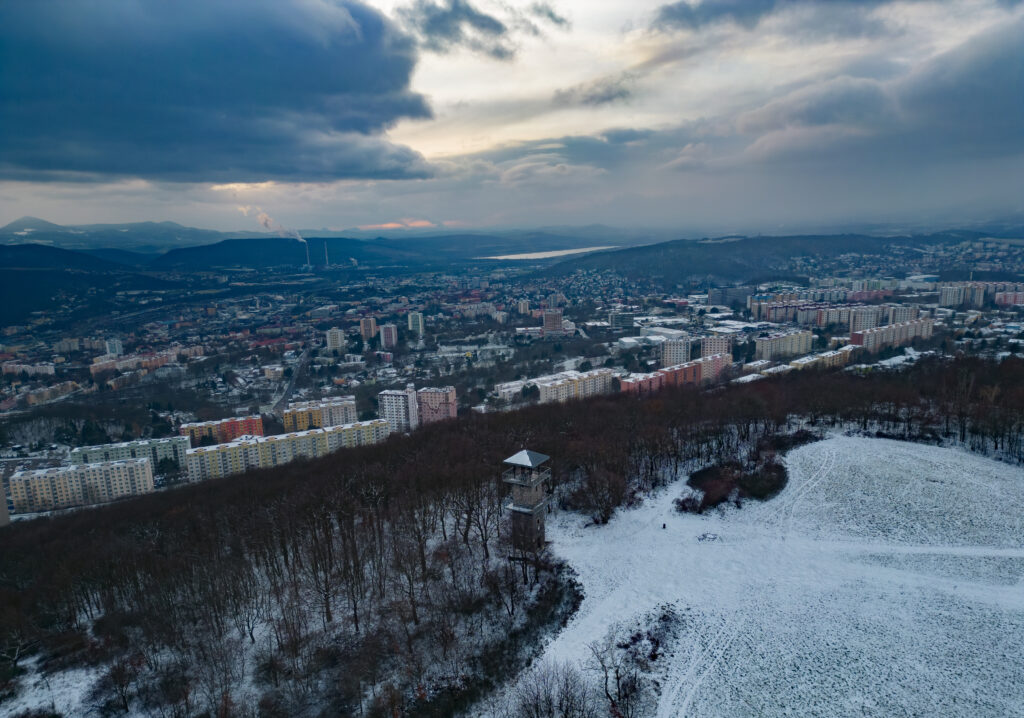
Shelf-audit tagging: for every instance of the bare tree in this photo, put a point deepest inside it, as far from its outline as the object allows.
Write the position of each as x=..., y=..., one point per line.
x=553, y=691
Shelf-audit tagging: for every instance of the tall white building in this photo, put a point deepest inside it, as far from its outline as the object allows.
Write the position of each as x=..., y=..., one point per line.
x=115, y=347
x=335, y=339
x=675, y=351
x=416, y=322
x=862, y=318
x=710, y=346
x=787, y=344
x=400, y=408
x=900, y=313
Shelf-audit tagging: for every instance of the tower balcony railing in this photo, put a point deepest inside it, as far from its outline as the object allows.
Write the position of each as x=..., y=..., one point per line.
x=527, y=477
x=527, y=508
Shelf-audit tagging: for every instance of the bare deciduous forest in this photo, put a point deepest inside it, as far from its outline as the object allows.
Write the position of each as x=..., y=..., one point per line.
x=378, y=581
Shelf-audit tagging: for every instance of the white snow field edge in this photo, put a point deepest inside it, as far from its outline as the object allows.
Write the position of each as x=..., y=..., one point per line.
x=885, y=580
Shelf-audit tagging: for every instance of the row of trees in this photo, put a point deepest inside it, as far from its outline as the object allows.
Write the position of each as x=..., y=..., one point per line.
x=378, y=580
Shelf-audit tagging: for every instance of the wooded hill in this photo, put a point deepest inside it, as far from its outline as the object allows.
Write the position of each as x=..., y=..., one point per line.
x=746, y=259
x=377, y=580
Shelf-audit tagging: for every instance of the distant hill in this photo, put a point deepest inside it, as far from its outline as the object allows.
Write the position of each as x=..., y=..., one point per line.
x=124, y=257
x=38, y=278
x=421, y=251
x=384, y=248
x=25, y=226
x=139, y=236
x=253, y=253
x=37, y=256
x=735, y=258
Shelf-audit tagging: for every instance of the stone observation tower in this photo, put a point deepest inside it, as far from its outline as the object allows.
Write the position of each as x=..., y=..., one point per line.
x=528, y=477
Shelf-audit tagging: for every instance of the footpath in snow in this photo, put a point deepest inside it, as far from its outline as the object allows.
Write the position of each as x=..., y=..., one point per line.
x=885, y=580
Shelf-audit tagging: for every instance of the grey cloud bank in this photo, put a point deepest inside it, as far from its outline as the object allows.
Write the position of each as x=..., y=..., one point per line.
x=204, y=91
x=304, y=92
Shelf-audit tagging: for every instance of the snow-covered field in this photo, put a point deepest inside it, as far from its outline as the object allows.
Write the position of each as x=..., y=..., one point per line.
x=885, y=580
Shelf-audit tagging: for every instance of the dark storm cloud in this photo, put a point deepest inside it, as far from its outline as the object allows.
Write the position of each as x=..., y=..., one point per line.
x=444, y=26
x=843, y=100
x=972, y=97
x=194, y=90
x=965, y=103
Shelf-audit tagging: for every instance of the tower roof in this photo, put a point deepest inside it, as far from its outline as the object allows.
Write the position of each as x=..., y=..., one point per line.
x=528, y=459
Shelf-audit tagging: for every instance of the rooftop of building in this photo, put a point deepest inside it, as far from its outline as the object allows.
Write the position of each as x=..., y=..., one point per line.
x=317, y=403
x=124, y=444
x=213, y=422
x=527, y=459
x=78, y=467
x=250, y=440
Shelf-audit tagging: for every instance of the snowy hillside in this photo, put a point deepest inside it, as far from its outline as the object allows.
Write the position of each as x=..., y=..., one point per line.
x=884, y=581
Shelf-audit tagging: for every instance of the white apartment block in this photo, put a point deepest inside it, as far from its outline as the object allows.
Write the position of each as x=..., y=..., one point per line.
x=783, y=345
x=233, y=457
x=709, y=346
x=574, y=385
x=899, y=313
x=173, y=447
x=336, y=339
x=66, y=486
x=675, y=351
x=337, y=411
x=263, y=452
x=563, y=386
x=334, y=411
x=13, y=367
x=825, y=360
x=971, y=293
x=510, y=390
x=893, y=335
x=862, y=318
x=951, y=296
x=400, y=408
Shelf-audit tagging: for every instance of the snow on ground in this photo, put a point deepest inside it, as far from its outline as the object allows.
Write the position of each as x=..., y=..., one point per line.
x=885, y=580
x=64, y=693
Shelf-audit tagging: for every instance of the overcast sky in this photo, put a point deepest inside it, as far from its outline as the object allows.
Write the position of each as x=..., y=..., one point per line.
x=706, y=116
